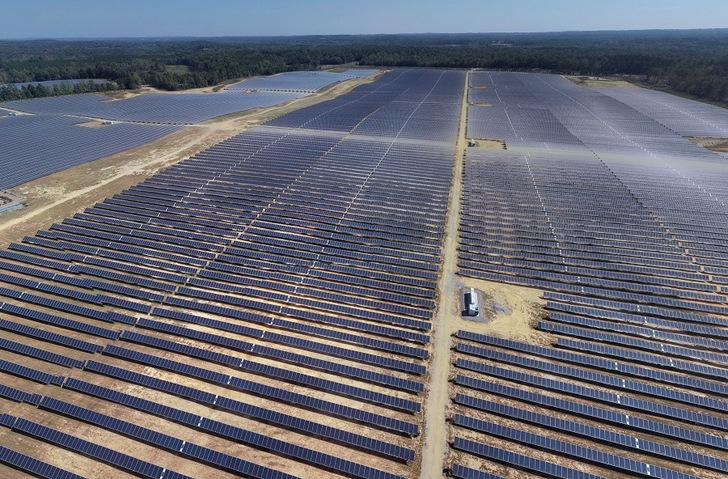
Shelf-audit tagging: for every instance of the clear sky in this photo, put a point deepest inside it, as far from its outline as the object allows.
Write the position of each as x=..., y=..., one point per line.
x=144, y=18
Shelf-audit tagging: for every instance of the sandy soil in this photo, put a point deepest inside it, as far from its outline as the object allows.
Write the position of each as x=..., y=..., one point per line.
x=507, y=311
x=719, y=145
x=124, y=94
x=599, y=81
x=437, y=401
x=488, y=144
x=92, y=124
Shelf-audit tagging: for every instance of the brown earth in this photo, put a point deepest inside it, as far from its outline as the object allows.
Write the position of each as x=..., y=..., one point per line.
x=488, y=144
x=507, y=311
x=719, y=145
x=91, y=124
x=599, y=81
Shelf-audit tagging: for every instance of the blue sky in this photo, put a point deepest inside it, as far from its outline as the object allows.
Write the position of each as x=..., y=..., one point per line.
x=135, y=18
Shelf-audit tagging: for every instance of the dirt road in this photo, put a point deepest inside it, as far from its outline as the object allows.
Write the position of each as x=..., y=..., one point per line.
x=445, y=323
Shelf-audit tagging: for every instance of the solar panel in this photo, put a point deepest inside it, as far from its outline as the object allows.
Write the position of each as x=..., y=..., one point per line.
x=609, y=397
x=289, y=397
x=569, y=449
x=33, y=466
x=594, y=433
x=520, y=460
x=96, y=451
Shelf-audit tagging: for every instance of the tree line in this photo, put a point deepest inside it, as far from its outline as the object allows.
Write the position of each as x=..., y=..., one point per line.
x=12, y=92
x=691, y=62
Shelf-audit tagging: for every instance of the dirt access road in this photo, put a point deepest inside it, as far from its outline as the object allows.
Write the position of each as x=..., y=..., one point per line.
x=445, y=323
x=60, y=195
x=524, y=306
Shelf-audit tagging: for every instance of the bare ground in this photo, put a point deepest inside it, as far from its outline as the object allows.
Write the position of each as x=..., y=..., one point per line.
x=719, y=145
x=508, y=311
x=437, y=401
x=599, y=81
x=91, y=124
x=488, y=143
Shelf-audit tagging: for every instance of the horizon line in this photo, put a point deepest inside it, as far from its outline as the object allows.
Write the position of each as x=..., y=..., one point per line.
x=171, y=37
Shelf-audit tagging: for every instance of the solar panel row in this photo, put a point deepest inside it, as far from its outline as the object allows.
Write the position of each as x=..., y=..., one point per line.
x=308, y=239
x=164, y=441
x=262, y=390
x=597, y=434
x=252, y=411
x=599, y=200
x=614, y=399
x=580, y=452
x=232, y=432
x=96, y=451
x=612, y=380
x=520, y=461
x=34, y=466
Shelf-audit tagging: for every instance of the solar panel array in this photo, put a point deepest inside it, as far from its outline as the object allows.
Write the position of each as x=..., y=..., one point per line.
x=35, y=146
x=360, y=72
x=268, y=299
x=599, y=201
x=49, y=141
x=300, y=81
x=52, y=83
x=685, y=117
x=190, y=108
x=165, y=108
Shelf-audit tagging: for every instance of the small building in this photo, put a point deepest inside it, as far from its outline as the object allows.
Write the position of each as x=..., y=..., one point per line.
x=470, y=298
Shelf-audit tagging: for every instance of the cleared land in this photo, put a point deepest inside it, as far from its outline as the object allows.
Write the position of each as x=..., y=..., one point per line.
x=486, y=143
x=600, y=82
x=719, y=145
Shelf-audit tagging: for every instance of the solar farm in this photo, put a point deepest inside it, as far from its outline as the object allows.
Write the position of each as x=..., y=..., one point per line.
x=301, y=81
x=286, y=303
x=43, y=135
x=160, y=108
x=38, y=145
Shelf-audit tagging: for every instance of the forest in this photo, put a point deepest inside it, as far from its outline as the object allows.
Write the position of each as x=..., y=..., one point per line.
x=693, y=63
